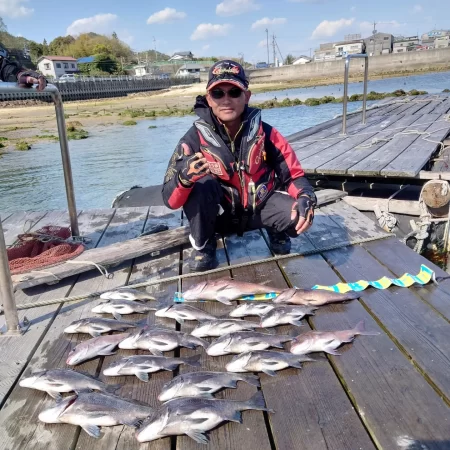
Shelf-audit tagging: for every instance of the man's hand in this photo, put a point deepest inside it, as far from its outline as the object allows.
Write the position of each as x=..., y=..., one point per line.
x=30, y=77
x=195, y=167
x=303, y=209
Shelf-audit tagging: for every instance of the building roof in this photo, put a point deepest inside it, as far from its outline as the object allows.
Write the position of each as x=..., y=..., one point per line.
x=86, y=59
x=182, y=53
x=57, y=58
x=191, y=66
x=303, y=57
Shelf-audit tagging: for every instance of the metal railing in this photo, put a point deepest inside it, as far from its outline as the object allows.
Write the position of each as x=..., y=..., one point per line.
x=345, y=100
x=13, y=326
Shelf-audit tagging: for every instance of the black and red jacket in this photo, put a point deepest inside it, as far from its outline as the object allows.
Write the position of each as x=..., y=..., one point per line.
x=248, y=169
x=9, y=70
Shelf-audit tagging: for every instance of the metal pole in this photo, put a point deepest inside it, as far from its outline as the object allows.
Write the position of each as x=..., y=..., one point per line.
x=366, y=76
x=344, y=101
x=6, y=290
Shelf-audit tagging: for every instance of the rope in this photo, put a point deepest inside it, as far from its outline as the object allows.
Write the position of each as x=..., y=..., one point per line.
x=178, y=278
x=102, y=269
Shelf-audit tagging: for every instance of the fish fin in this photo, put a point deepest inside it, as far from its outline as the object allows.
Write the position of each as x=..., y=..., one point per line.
x=236, y=417
x=112, y=388
x=193, y=361
x=156, y=352
x=361, y=330
x=198, y=436
x=295, y=364
x=223, y=300
x=117, y=316
x=251, y=379
x=180, y=321
x=269, y=372
x=143, y=376
x=56, y=395
x=82, y=391
x=297, y=323
x=95, y=334
x=171, y=367
x=279, y=345
x=106, y=353
x=92, y=430
x=135, y=423
x=257, y=402
x=332, y=351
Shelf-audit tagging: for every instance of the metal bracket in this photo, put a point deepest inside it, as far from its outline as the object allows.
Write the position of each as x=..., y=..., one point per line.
x=22, y=328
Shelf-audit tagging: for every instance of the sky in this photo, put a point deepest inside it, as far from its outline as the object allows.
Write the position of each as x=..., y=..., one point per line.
x=227, y=27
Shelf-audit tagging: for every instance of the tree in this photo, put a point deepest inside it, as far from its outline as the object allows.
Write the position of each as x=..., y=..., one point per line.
x=36, y=51
x=45, y=47
x=289, y=60
x=3, y=26
x=114, y=35
x=59, y=45
x=105, y=63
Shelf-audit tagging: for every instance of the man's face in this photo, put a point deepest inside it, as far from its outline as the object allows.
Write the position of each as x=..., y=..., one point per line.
x=227, y=108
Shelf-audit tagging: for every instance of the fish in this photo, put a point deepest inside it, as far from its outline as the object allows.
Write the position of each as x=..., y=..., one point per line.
x=95, y=326
x=286, y=314
x=327, y=341
x=142, y=365
x=125, y=293
x=99, y=346
x=244, y=341
x=55, y=381
x=194, y=416
x=93, y=410
x=181, y=312
x=252, y=309
x=118, y=307
x=159, y=339
x=314, y=297
x=266, y=361
x=225, y=290
x=219, y=327
x=203, y=384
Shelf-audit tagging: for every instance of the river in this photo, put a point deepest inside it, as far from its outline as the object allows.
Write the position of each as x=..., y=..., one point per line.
x=115, y=158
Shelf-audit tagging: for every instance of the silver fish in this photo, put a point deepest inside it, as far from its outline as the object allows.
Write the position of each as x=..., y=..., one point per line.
x=225, y=290
x=125, y=293
x=327, y=341
x=266, y=361
x=93, y=410
x=181, y=312
x=219, y=327
x=55, y=381
x=313, y=297
x=142, y=365
x=286, y=314
x=95, y=326
x=157, y=340
x=118, y=307
x=194, y=416
x=99, y=346
x=203, y=384
x=252, y=309
x=245, y=341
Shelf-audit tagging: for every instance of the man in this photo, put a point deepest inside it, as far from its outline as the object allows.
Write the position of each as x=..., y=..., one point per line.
x=11, y=71
x=227, y=167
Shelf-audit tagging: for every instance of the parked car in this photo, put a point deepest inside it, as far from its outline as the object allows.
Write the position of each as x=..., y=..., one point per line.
x=261, y=65
x=67, y=77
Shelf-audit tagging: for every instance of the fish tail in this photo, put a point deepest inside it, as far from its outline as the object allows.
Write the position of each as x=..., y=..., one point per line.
x=352, y=295
x=360, y=329
x=250, y=379
x=198, y=341
x=112, y=388
x=256, y=402
x=193, y=361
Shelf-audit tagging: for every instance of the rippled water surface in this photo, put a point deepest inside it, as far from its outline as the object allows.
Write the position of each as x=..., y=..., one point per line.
x=115, y=158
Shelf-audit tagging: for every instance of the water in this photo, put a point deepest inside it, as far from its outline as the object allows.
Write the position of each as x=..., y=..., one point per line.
x=114, y=158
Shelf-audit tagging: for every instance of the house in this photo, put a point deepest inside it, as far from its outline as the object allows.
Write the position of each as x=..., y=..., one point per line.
x=405, y=44
x=140, y=70
x=429, y=38
x=345, y=48
x=182, y=55
x=442, y=42
x=325, y=52
x=302, y=60
x=55, y=66
x=379, y=44
x=190, y=69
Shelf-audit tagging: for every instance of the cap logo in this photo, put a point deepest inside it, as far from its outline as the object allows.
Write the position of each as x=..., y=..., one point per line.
x=220, y=70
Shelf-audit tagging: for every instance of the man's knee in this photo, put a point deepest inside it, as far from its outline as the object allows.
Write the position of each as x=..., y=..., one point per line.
x=206, y=190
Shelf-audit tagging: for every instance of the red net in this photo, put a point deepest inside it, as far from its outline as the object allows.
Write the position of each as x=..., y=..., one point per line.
x=42, y=248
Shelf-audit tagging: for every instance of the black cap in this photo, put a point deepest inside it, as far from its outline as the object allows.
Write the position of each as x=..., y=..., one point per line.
x=227, y=71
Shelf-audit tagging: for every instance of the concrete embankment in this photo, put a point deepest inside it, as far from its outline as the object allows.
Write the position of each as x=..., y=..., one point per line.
x=415, y=62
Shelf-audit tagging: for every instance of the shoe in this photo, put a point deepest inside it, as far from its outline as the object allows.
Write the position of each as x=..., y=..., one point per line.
x=204, y=259
x=280, y=243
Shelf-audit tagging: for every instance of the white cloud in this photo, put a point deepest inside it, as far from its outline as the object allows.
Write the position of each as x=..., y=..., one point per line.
x=14, y=8
x=266, y=22
x=126, y=37
x=100, y=23
x=328, y=28
x=236, y=7
x=209, y=30
x=206, y=47
x=167, y=15
x=417, y=8
x=262, y=43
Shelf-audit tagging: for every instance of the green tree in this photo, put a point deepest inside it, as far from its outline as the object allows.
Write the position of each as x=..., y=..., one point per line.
x=289, y=60
x=36, y=51
x=105, y=63
x=59, y=45
x=114, y=35
x=45, y=49
x=3, y=26
x=101, y=48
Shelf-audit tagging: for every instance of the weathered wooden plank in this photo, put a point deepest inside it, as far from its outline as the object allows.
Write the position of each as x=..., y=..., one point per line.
x=21, y=222
x=376, y=161
x=434, y=102
x=443, y=107
x=110, y=255
x=400, y=259
x=325, y=196
x=340, y=165
x=312, y=410
x=408, y=207
x=386, y=390
x=55, y=346
x=410, y=162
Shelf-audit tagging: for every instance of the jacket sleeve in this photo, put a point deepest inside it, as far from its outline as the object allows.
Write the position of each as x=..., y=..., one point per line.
x=283, y=159
x=9, y=70
x=174, y=193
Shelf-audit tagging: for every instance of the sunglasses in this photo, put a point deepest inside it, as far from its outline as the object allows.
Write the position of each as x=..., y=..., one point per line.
x=233, y=93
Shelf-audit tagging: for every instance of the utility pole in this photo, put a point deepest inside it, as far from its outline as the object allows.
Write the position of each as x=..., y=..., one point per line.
x=154, y=46
x=121, y=62
x=274, y=51
x=267, y=33
x=374, y=32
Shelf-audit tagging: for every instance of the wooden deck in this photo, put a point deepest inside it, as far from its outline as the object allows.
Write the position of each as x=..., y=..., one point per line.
x=390, y=391
x=388, y=145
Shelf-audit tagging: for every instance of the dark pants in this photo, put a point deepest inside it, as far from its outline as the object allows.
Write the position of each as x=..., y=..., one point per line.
x=202, y=211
